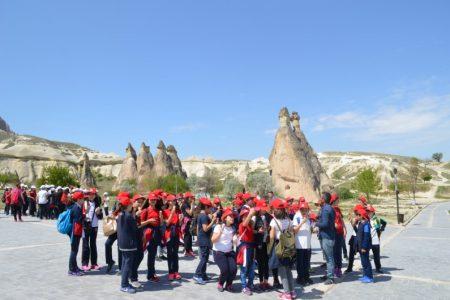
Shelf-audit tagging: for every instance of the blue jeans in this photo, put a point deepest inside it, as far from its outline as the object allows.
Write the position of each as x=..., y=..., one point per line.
x=128, y=258
x=367, y=266
x=328, y=251
x=203, y=253
x=247, y=275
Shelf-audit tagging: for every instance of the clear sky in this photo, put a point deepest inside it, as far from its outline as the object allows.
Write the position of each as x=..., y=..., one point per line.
x=210, y=76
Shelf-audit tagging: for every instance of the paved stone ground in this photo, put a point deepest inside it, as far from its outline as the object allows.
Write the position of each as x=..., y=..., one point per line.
x=34, y=263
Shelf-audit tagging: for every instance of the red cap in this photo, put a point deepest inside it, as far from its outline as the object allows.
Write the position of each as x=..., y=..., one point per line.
x=301, y=199
x=294, y=207
x=279, y=204
x=363, y=213
x=171, y=197
x=205, y=201
x=358, y=207
x=238, y=195
x=262, y=205
x=124, y=201
x=152, y=197
x=244, y=212
x=238, y=202
x=77, y=196
x=247, y=196
x=370, y=208
x=313, y=217
x=158, y=192
x=303, y=205
x=123, y=195
x=92, y=191
x=334, y=197
x=217, y=200
x=227, y=212
x=362, y=199
x=137, y=197
x=188, y=195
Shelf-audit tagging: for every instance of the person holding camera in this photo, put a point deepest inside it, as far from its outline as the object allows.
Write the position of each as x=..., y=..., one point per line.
x=93, y=213
x=172, y=235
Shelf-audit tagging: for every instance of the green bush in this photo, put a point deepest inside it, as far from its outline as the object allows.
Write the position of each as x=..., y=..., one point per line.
x=345, y=193
x=172, y=184
x=367, y=182
x=57, y=175
x=260, y=182
x=8, y=177
x=231, y=186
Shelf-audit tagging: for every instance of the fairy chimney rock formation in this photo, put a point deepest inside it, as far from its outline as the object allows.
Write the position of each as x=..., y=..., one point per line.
x=296, y=171
x=176, y=162
x=295, y=119
x=163, y=163
x=128, y=170
x=87, y=180
x=144, y=162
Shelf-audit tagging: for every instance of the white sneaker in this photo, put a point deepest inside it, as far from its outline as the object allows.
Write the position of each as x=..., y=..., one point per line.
x=136, y=284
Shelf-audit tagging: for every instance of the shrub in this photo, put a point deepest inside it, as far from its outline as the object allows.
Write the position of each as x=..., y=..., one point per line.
x=57, y=175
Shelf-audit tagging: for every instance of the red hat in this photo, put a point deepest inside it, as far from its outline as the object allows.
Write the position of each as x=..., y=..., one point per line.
x=171, y=197
x=244, y=212
x=152, y=197
x=301, y=199
x=247, y=196
x=123, y=195
x=137, y=197
x=279, y=204
x=262, y=205
x=362, y=199
x=370, y=208
x=294, y=207
x=124, y=201
x=77, y=196
x=238, y=195
x=303, y=205
x=188, y=195
x=205, y=201
x=238, y=202
x=158, y=192
x=217, y=200
x=334, y=197
x=313, y=217
x=363, y=213
x=227, y=212
x=358, y=207
x=92, y=191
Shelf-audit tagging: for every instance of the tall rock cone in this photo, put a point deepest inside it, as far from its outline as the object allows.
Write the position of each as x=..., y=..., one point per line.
x=87, y=180
x=176, y=162
x=128, y=170
x=144, y=163
x=163, y=163
x=292, y=162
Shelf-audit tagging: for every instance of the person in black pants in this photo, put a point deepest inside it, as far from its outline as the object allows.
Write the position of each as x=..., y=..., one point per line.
x=187, y=208
x=262, y=258
x=126, y=238
x=352, y=245
x=76, y=217
x=137, y=210
x=89, y=243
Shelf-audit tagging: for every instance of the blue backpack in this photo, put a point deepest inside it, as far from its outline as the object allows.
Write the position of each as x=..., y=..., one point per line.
x=64, y=224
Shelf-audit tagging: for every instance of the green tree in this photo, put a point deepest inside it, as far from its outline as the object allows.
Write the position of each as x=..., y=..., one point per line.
x=367, y=182
x=210, y=183
x=231, y=186
x=192, y=182
x=8, y=177
x=426, y=176
x=57, y=175
x=260, y=182
x=171, y=183
x=345, y=193
x=437, y=156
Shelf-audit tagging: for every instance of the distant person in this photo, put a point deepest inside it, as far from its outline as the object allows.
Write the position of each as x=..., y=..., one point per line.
x=327, y=234
x=246, y=250
x=377, y=226
x=32, y=196
x=341, y=233
x=6, y=198
x=42, y=202
x=364, y=243
x=17, y=202
x=105, y=203
x=75, y=204
x=303, y=232
x=93, y=213
x=187, y=208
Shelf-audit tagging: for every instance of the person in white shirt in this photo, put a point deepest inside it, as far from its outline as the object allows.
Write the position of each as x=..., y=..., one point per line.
x=303, y=230
x=89, y=243
x=42, y=202
x=105, y=202
x=224, y=256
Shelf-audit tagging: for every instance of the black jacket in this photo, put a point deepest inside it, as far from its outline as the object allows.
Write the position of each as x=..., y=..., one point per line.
x=126, y=232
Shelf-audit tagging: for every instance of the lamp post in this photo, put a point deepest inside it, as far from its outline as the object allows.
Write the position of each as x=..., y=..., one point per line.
x=396, y=194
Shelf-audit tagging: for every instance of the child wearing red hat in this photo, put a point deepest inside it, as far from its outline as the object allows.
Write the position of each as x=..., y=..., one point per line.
x=377, y=226
x=76, y=216
x=303, y=230
x=172, y=236
x=261, y=220
x=352, y=243
x=341, y=232
x=246, y=250
x=204, y=231
x=128, y=244
x=151, y=222
x=187, y=209
x=224, y=256
x=364, y=242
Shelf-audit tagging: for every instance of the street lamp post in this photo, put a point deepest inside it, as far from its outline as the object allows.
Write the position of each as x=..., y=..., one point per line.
x=396, y=194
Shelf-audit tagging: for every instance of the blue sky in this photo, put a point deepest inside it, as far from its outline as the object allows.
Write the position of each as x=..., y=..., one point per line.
x=210, y=76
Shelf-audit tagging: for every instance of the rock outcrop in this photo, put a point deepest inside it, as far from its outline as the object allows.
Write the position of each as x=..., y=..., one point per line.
x=128, y=171
x=144, y=163
x=295, y=168
x=176, y=162
x=163, y=163
x=87, y=180
x=4, y=126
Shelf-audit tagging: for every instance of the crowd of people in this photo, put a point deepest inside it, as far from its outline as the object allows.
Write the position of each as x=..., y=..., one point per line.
x=269, y=237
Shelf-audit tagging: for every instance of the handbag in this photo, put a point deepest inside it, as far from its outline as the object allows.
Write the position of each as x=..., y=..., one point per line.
x=109, y=226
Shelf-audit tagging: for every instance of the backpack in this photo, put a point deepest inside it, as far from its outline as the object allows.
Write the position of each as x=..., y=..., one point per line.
x=15, y=195
x=64, y=224
x=286, y=243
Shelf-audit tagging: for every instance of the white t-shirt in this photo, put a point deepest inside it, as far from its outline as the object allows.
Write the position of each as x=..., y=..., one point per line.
x=303, y=236
x=374, y=234
x=225, y=241
x=91, y=214
x=283, y=224
x=42, y=197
